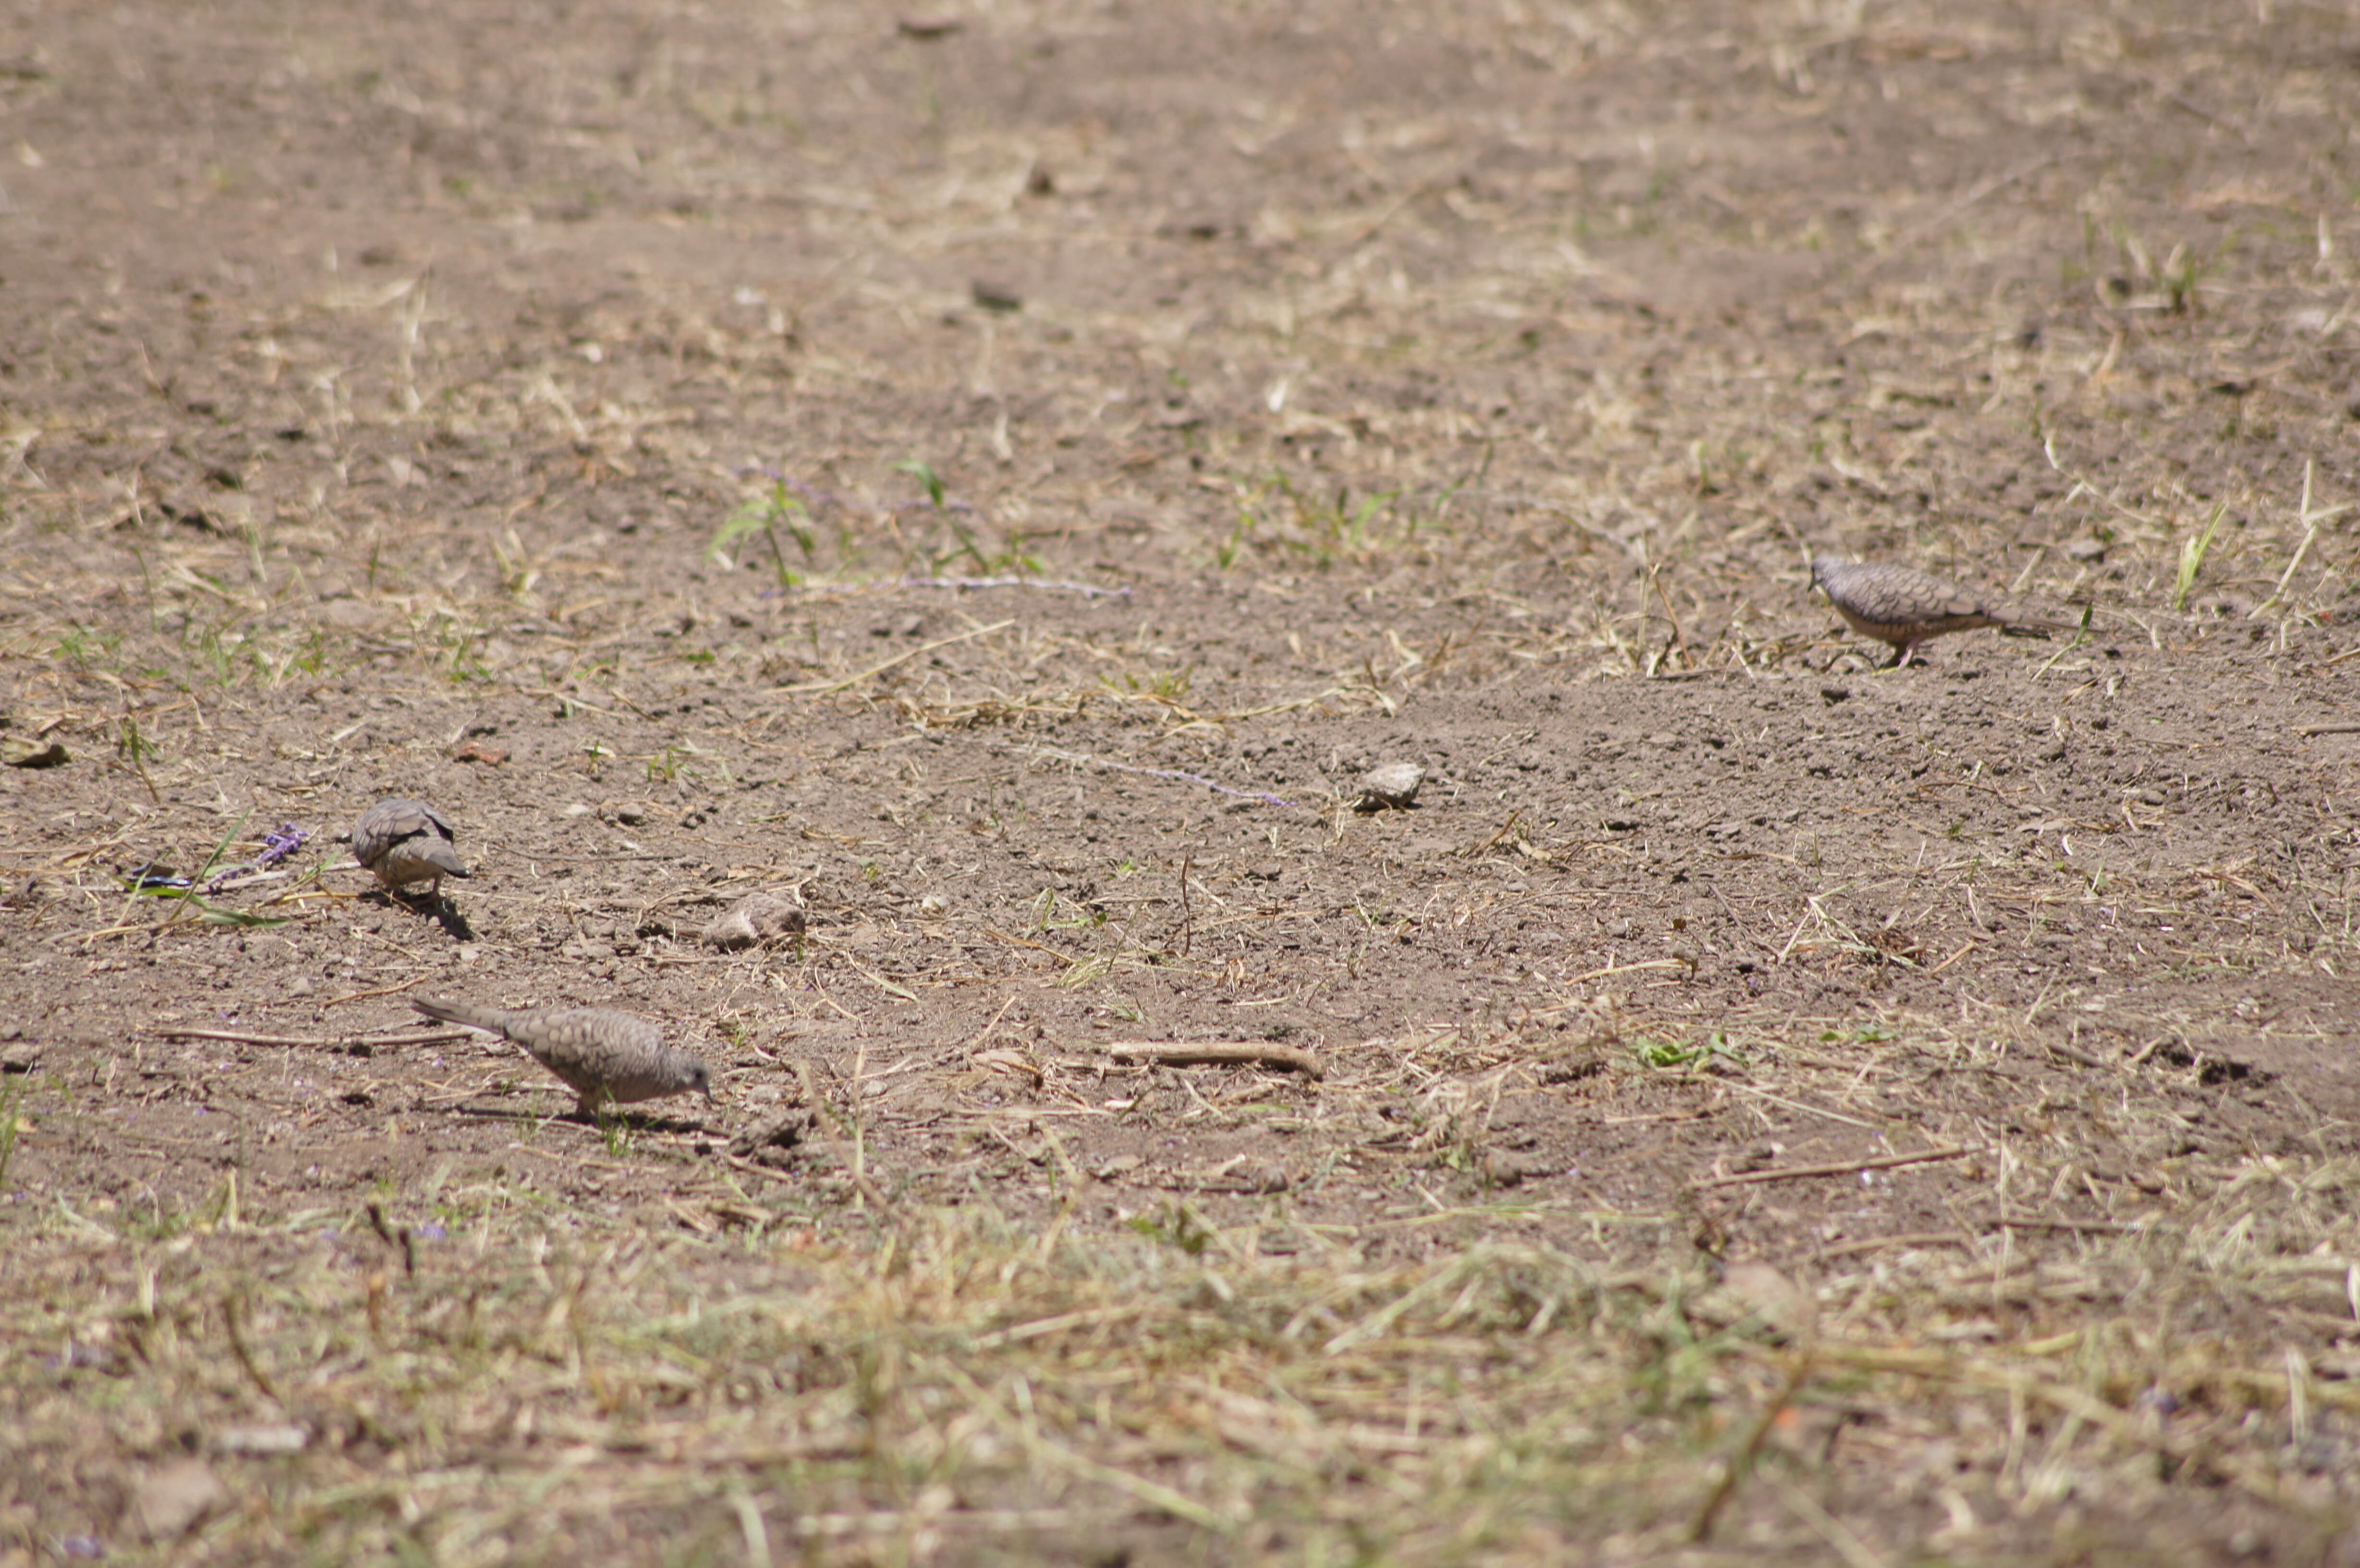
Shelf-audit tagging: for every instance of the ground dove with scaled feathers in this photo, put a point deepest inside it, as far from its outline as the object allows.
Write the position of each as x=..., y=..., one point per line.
x=1902, y=608
x=605, y=1057
x=404, y=841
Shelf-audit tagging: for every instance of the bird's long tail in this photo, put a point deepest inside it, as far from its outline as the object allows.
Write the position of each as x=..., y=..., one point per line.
x=490, y=1020
x=2034, y=626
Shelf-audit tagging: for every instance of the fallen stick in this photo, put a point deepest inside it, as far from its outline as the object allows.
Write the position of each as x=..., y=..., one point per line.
x=1796, y=1173
x=334, y=1042
x=1088, y=591
x=2092, y=1227
x=2070, y=1055
x=1218, y=1053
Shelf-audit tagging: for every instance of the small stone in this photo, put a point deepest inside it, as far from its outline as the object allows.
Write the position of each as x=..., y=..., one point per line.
x=783, y=1128
x=1390, y=786
x=1772, y=1299
x=1514, y=1168
x=166, y=1501
x=262, y=1440
x=1261, y=1176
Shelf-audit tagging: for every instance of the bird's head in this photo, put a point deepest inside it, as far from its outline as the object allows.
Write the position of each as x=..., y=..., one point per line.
x=700, y=1078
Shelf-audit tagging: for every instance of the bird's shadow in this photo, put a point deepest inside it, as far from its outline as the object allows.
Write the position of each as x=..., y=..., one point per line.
x=636, y=1121
x=444, y=911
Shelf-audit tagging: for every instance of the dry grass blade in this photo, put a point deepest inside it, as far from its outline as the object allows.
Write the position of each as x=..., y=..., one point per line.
x=811, y=688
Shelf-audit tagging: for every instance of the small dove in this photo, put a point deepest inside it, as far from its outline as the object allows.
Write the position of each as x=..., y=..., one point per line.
x=1902, y=608
x=404, y=841
x=605, y=1057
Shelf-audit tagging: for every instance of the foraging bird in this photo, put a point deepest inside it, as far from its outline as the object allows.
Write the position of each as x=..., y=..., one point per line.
x=404, y=841
x=605, y=1057
x=1896, y=606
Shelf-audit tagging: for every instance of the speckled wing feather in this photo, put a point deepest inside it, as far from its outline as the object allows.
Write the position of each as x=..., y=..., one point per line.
x=404, y=841
x=1902, y=607
x=604, y=1056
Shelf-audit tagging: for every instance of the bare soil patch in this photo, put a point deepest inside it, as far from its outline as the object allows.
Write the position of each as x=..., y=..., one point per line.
x=992, y=483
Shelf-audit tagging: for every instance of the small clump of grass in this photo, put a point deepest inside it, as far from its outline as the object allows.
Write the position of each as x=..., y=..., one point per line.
x=1715, y=1052
x=1307, y=528
x=12, y=1096
x=775, y=509
x=2193, y=550
x=1012, y=557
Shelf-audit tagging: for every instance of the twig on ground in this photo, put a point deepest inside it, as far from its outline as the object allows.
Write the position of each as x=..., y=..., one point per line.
x=331, y=1042
x=1086, y=590
x=2070, y=1055
x=1628, y=968
x=2092, y=1227
x=1845, y=1168
x=1218, y=1053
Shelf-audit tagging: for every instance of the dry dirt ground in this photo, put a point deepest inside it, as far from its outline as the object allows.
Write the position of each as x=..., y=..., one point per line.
x=996, y=477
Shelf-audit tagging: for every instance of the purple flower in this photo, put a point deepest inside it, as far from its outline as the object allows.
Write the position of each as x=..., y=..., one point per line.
x=277, y=846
